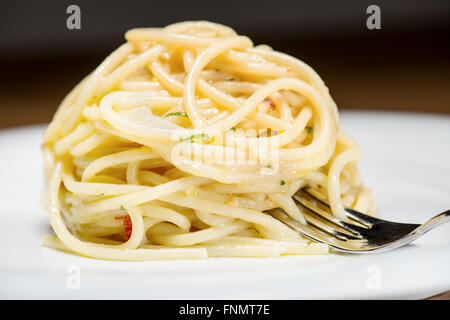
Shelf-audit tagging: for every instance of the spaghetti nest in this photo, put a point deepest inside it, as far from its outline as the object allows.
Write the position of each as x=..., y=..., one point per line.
x=182, y=138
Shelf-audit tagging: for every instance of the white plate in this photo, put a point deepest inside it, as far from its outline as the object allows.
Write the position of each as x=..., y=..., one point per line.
x=407, y=162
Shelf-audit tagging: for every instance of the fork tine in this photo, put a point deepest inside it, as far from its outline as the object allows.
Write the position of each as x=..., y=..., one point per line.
x=306, y=200
x=321, y=224
x=357, y=216
x=308, y=230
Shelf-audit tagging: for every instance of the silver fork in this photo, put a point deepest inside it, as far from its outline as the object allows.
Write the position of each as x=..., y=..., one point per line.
x=359, y=234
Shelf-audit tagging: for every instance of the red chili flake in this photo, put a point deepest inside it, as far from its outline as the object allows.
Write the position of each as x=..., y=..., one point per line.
x=127, y=225
x=270, y=103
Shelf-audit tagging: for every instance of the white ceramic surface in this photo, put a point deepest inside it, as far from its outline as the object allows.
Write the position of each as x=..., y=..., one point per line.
x=407, y=162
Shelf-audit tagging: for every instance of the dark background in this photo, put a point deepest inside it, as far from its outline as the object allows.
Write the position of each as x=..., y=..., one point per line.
x=404, y=66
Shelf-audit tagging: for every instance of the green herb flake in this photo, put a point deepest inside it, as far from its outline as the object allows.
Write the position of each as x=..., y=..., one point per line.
x=232, y=129
x=122, y=208
x=309, y=129
x=270, y=166
x=101, y=194
x=231, y=79
x=198, y=136
x=282, y=183
x=177, y=114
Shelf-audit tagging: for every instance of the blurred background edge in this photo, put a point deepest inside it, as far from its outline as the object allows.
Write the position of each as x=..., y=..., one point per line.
x=404, y=66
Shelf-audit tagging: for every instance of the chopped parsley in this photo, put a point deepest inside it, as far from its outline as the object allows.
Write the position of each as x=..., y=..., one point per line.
x=122, y=208
x=282, y=183
x=178, y=114
x=270, y=166
x=232, y=129
x=231, y=79
x=101, y=194
x=309, y=129
x=198, y=136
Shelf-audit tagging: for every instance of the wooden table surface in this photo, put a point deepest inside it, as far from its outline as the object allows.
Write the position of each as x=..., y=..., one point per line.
x=442, y=296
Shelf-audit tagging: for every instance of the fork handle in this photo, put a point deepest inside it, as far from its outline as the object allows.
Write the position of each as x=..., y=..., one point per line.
x=434, y=222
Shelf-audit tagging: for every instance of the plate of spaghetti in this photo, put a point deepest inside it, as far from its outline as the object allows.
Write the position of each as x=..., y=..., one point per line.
x=175, y=147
